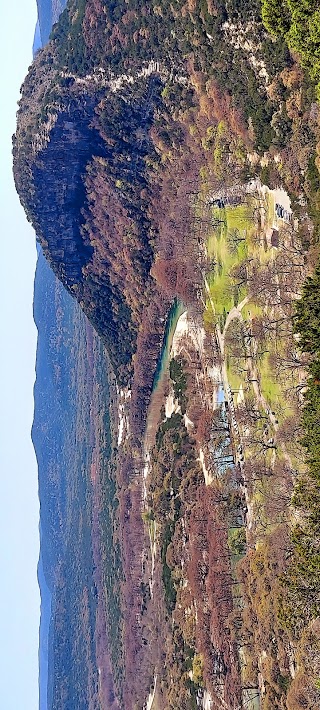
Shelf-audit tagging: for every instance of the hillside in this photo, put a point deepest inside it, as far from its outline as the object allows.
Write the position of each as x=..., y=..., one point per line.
x=69, y=433
x=64, y=449
x=55, y=431
x=167, y=157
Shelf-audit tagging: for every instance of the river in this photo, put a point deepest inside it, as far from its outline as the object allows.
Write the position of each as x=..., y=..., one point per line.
x=161, y=376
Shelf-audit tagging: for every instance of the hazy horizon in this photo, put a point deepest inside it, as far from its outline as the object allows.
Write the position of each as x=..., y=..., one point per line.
x=19, y=595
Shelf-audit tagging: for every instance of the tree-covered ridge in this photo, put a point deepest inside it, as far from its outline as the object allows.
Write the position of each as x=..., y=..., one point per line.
x=117, y=38
x=71, y=238
x=107, y=70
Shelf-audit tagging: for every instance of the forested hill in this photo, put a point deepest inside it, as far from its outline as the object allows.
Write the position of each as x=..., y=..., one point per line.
x=82, y=132
x=115, y=88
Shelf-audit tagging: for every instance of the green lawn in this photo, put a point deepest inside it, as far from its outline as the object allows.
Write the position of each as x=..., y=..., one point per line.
x=225, y=254
x=271, y=388
x=240, y=217
x=234, y=379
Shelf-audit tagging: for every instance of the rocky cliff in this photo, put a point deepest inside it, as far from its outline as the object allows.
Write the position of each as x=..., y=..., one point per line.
x=66, y=153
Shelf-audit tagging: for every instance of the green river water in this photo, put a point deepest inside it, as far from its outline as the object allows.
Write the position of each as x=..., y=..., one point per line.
x=175, y=312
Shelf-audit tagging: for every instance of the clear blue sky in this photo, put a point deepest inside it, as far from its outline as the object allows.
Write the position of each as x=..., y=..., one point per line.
x=19, y=544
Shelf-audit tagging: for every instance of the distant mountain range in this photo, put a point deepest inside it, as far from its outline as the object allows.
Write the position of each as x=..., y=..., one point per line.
x=48, y=13
x=51, y=418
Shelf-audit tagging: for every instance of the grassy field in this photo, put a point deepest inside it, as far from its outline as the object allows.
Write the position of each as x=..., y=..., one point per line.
x=232, y=241
x=227, y=248
x=235, y=380
x=269, y=385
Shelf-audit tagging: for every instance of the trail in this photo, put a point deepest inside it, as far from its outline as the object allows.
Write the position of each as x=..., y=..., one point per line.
x=234, y=313
x=152, y=694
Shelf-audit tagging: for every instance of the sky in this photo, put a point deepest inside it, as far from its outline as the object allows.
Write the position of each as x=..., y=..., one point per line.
x=19, y=507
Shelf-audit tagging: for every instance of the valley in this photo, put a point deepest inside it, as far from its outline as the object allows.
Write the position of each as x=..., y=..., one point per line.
x=167, y=157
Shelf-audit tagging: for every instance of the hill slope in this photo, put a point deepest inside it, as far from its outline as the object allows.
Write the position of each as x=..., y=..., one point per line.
x=152, y=148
